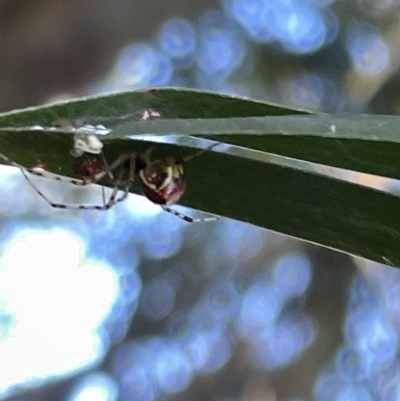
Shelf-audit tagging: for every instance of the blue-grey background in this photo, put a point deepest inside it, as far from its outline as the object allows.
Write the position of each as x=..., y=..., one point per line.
x=134, y=304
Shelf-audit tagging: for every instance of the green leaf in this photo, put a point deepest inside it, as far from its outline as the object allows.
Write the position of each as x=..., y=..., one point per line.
x=307, y=205
x=172, y=103
x=246, y=185
x=364, y=143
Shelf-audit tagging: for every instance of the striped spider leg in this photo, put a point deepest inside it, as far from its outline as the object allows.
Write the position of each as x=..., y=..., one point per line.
x=86, y=180
x=92, y=170
x=161, y=181
x=86, y=141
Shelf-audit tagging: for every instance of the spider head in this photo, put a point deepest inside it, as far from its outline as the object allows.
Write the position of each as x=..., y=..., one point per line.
x=162, y=181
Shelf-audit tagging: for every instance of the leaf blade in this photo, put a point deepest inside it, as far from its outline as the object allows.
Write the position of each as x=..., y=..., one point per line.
x=251, y=187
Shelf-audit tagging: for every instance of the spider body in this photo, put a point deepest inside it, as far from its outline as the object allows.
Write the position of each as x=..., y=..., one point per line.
x=161, y=181
x=89, y=167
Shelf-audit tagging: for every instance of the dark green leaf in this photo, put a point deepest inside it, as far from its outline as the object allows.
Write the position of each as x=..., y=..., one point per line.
x=364, y=143
x=244, y=185
x=172, y=103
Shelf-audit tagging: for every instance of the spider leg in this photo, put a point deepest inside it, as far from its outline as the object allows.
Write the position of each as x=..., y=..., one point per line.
x=41, y=173
x=113, y=199
x=107, y=168
x=85, y=181
x=109, y=174
x=107, y=171
x=188, y=218
x=131, y=178
x=199, y=152
x=55, y=205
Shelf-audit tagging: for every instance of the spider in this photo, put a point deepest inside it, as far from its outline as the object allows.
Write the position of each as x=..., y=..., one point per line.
x=161, y=181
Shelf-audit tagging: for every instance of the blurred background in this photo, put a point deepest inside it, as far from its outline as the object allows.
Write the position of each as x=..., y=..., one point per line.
x=135, y=304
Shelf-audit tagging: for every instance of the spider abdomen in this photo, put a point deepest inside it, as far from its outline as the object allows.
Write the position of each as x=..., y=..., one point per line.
x=162, y=181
